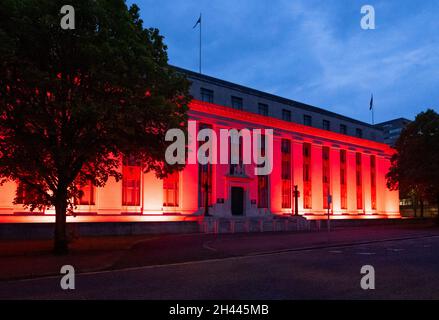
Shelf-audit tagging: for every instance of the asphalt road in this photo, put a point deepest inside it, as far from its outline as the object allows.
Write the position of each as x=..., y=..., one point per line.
x=404, y=269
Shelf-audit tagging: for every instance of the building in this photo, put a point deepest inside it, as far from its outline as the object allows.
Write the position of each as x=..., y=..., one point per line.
x=392, y=129
x=320, y=152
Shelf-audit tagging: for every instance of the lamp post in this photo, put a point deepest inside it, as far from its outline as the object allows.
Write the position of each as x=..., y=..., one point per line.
x=206, y=193
x=296, y=200
x=329, y=206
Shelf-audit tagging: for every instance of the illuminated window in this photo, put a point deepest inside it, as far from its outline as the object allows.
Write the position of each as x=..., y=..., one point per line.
x=237, y=103
x=286, y=115
x=358, y=180
x=343, y=186
x=325, y=176
x=262, y=181
x=307, y=204
x=206, y=95
x=286, y=173
x=88, y=194
x=204, y=176
x=263, y=109
x=170, y=190
x=236, y=168
x=307, y=120
x=131, y=172
x=373, y=185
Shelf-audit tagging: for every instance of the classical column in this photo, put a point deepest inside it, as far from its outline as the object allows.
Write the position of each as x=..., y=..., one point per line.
x=334, y=165
x=316, y=178
x=297, y=163
x=367, y=190
x=351, y=182
x=274, y=180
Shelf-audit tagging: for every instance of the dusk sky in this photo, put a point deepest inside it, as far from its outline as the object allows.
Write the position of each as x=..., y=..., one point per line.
x=312, y=51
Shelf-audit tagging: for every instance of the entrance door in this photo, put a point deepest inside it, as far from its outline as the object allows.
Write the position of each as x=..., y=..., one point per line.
x=237, y=201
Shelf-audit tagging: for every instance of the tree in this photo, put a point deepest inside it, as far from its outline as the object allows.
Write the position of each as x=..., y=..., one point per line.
x=415, y=165
x=73, y=102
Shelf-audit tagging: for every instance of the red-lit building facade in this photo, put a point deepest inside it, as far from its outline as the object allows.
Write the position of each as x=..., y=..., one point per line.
x=320, y=152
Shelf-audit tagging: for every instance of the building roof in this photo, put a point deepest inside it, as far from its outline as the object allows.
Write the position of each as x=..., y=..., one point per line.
x=392, y=121
x=269, y=96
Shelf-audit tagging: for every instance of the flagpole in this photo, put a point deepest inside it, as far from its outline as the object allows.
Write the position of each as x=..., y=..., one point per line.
x=373, y=121
x=200, y=43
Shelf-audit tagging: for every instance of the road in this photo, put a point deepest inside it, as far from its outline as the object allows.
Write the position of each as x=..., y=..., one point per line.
x=404, y=269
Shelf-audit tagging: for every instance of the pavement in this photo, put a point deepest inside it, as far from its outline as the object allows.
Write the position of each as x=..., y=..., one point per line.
x=243, y=266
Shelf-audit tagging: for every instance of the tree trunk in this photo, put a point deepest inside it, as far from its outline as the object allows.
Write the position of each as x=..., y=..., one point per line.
x=437, y=207
x=60, y=239
x=415, y=206
x=421, y=202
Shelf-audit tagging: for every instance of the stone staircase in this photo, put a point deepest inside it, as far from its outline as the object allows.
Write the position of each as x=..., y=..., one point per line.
x=253, y=224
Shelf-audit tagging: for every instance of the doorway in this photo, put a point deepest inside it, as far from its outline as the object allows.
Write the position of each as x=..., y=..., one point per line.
x=237, y=204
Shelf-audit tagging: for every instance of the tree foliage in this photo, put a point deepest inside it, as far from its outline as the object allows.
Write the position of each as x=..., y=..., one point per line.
x=415, y=165
x=72, y=102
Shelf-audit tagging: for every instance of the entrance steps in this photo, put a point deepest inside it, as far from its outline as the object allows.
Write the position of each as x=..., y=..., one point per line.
x=253, y=224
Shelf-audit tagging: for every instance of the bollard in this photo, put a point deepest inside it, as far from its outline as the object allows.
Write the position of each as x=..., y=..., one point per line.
x=247, y=225
x=216, y=226
x=232, y=226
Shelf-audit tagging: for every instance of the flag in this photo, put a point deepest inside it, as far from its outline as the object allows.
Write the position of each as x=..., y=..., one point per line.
x=371, y=102
x=198, y=22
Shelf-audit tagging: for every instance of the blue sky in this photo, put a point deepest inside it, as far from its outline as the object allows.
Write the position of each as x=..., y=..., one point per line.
x=312, y=51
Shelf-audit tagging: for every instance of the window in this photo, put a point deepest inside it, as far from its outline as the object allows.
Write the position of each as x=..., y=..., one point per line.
x=359, y=133
x=204, y=177
x=170, y=190
x=237, y=103
x=307, y=120
x=325, y=176
x=237, y=168
x=263, y=191
x=88, y=194
x=326, y=125
x=286, y=115
x=131, y=172
x=286, y=173
x=358, y=181
x=262, y=181
x=343, y=179
x=343, y=129
x=263, y=109
x=206, y=95
x=307, y=176
x=373, y=185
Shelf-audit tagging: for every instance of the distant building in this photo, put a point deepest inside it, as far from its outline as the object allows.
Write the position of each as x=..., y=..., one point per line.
x=392, y=129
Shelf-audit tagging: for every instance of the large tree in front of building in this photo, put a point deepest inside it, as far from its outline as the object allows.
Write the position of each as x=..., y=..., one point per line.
x=72, y=102
x=415, y=165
